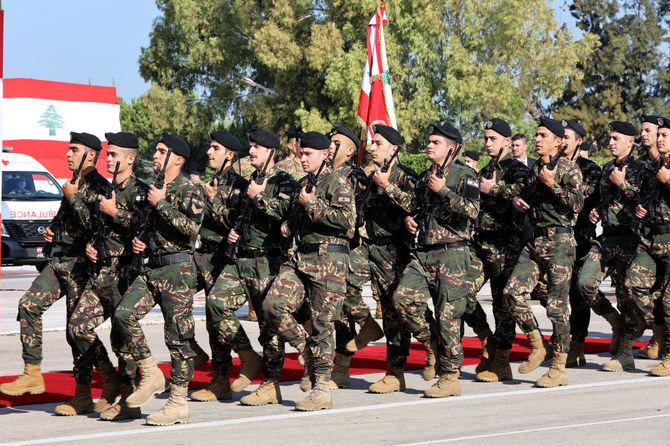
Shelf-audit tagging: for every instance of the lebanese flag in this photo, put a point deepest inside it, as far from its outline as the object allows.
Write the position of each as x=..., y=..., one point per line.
x=38, y=117
x=375, y=105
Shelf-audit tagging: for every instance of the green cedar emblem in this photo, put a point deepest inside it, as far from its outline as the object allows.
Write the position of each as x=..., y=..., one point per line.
x=51, y=119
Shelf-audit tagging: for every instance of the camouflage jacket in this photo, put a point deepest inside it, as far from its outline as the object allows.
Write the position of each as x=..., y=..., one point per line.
x=271, y=207
x=496, y=207
x=179, y=216
x=387, y=209
x=659, y=209
x=75, y=228
x=291, y=166
x=591, y=174
x=448, y=219
x=617, y=204
x=244, y=167
x=222, y=210
x=331, y=214
x=559, y=204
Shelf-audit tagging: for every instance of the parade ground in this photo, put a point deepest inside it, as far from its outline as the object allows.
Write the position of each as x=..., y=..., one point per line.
x=596, y=407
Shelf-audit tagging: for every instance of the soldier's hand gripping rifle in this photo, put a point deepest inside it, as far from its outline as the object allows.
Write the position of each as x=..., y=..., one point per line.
x=58, y=219
x=297, y=214
x=241, y=227
x=147, y=227
x=100, y=234
x=365, y=200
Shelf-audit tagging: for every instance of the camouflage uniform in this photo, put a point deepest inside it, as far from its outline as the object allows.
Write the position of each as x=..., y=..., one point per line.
x=64, y=275
x=291, y=166
x=438, y=266
x=168, y=280
x=248, y=278
x=553, y=212
x=613, y=251
x=316, y=274
x=244, y=167
x=103, y=294
x=496, y=248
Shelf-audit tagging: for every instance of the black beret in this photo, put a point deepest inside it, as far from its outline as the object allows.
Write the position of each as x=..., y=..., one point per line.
x=346, y=132
x=293, y=133
x=176, y=144
x=389, y=133
x=574, y=125
x=623, y=127
x=314, y=140
x=585, y=146
x=86, y=139
x=499, y=126
x=650, y=118
x=553, y=125
x=123, y=139
x=226, y=139
x=663, y=122
x=472, y=154
x=445, y=129
x=264, y=138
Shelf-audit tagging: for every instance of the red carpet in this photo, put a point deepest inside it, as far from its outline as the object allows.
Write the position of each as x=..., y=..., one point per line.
x=60, y=385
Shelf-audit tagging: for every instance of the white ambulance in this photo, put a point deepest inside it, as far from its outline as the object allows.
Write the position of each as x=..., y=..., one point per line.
x=30, y=200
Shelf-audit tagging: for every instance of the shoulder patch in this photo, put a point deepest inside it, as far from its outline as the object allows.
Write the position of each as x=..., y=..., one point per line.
x=344, y=199
x=471, y=189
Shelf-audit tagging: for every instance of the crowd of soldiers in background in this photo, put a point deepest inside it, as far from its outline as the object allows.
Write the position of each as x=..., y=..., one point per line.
x=298, y=239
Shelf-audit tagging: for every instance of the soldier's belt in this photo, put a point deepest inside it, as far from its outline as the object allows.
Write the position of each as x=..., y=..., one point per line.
x=495, y=234
x=544, y=232
x=658, y=230
x=254, y=253
x=314, y=247
x=617, y=231
x=169, y=259
x=383, y=241
x=433, y=247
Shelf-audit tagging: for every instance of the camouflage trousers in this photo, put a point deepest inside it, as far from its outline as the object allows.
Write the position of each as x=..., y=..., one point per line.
x=553, y=256
x=245, y=279
x=439, y=275
x=648, y=275
x=609, y=256
x=209, y=266
x=64, y=276
x=319, y=279
x=171, y=287
x=97, y=304
x=493, y=259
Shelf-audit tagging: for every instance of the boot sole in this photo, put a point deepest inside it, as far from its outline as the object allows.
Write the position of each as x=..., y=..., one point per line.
x=314, y=409
x=264, y=403
x=182, y=421
x=382, y=392
x=211, y=399
x=547, y=387
x=442, y=396
x=72, y=414
x=117, y=418
x=495, y=380
x=31, y=390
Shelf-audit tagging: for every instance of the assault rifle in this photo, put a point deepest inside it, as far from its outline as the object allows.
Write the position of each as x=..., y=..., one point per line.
x=58, y=219
x=365, y=200
x=650, y=200
x=605, y=200
x=100, y=234
x=427, y=207
x=242, y=224
x=489, y=176
x=148, y=225
x=218, y=174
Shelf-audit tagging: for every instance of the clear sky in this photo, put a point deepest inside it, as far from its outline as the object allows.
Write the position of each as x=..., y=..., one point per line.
x=78, y=40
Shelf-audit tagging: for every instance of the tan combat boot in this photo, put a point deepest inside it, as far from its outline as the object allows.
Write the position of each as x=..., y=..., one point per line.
x=576, y=356
x=394, y=381
x=431, y=359
x=370, y=331
x=120, y=411
x=80, y=403
x=110, y=386
x=623, y=359
x=175, y=410
x=488, y=348
x=656, y=345
x=251, y=363
x=252, y=313
x=538, y=352
x=556, y=375
x=447, y=385
x=201, y=356
x=267, y=393
x=319, y=397
x=340, y=378
x=31, y=382
x=217, y=389
x=153, y=381
x=616, y=322
x=663, y=369
x=499, y=370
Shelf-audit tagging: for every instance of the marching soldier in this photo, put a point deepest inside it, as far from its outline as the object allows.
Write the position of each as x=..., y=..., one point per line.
x=447, y=199
x=554, y=201
x=168, y=278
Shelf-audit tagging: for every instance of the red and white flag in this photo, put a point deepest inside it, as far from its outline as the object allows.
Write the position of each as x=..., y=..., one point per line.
x=376, y=102
x=38, y=116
